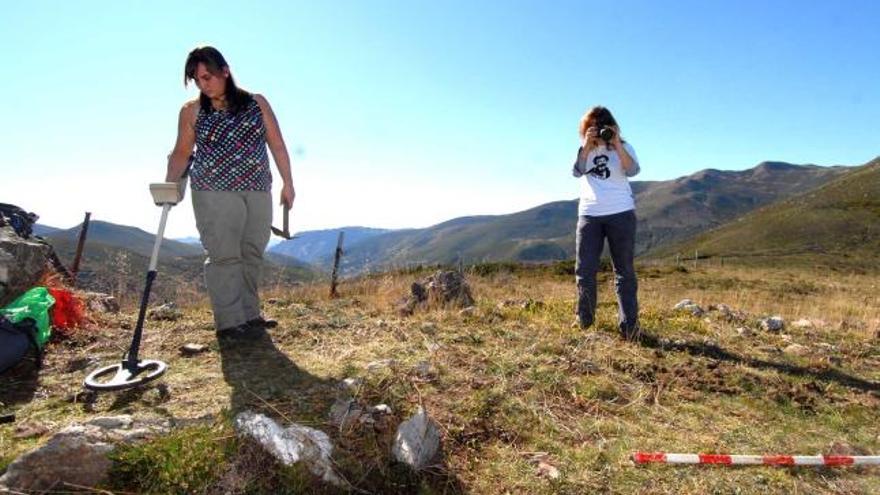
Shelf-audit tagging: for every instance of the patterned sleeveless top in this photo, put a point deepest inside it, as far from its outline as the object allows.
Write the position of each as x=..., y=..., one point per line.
x=231, y=151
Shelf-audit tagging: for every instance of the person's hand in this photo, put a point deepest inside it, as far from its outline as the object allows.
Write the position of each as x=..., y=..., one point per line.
x=287, y=196
x=615, y=141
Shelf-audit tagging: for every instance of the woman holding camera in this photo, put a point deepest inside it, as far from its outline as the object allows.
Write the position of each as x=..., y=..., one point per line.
x=231, y=183
x=606, y=211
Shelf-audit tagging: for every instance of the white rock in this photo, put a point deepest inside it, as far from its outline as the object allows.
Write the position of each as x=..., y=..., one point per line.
x=417, y=441
x=292, y=444
x=689, y=306
x=193, y=349
x=381, y=409
x=681, y=304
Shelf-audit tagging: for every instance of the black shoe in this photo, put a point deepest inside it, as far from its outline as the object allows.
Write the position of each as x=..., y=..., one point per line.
x=631, y=334
x=238, y=332
x=262, y=323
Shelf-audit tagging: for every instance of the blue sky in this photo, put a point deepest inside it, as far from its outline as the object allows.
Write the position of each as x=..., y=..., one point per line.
x=408, y=113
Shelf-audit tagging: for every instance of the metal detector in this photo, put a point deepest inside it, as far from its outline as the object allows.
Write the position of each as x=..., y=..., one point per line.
x=132, y=371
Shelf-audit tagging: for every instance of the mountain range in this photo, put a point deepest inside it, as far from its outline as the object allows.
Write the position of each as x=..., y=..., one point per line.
x=668, y=211
x=835, y=224
x=712, y=211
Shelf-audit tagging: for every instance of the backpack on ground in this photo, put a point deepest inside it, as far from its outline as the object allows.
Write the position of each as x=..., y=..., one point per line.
x=21, y=221
x=15, y=341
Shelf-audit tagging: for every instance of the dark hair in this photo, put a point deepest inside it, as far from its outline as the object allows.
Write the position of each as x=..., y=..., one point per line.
x=236, y=98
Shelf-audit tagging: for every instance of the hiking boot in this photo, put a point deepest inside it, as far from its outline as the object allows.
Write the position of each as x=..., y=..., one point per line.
x=261, y=322
x=581, y=322
x=238, y=332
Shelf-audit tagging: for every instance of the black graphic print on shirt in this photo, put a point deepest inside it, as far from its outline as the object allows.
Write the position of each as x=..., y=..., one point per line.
x=600, y=169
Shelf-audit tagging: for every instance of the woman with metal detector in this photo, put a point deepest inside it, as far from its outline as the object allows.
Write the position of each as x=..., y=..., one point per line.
x=606, y=211
x=229, y=128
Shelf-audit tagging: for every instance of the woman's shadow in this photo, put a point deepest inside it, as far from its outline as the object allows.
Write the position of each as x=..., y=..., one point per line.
x=263, y=379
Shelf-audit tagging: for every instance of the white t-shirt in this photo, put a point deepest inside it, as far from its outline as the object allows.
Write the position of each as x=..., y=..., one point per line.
x=604, y=185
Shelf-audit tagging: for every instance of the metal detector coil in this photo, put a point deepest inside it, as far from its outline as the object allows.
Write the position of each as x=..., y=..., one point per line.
x=132, y=371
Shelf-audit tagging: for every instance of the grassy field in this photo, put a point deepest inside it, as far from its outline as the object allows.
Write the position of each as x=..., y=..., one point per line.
x=516, y=389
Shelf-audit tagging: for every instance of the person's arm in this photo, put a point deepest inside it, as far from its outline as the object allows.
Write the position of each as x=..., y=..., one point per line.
x=629, y=163
x=577, y=169
x=279, y=151
x=186, y=140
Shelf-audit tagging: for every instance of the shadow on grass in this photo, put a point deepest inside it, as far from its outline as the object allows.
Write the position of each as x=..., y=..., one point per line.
x=715, y=352
x=19, y=384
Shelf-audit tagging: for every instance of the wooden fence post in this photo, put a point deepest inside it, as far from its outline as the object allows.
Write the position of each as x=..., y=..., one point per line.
x=83, y=231
x=336, y=265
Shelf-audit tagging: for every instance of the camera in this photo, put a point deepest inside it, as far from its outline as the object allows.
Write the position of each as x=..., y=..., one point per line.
x=606, y=133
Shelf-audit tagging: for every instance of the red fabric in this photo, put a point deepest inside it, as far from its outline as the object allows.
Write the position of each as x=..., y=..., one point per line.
x=67, y=312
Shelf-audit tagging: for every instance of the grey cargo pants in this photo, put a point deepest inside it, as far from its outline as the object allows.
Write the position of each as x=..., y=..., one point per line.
x=234, y=227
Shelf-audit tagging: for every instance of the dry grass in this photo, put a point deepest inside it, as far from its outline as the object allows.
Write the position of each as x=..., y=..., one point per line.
x=513, y=385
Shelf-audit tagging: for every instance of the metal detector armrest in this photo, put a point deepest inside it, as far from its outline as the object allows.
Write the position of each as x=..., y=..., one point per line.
x=167, y=193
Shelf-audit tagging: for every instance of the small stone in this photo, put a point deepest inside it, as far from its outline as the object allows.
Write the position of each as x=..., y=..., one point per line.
x=30, y=430
x=772, y=324
x=796, y=350
x=547, y=470
x=468, y=311
x=381, y=409
x=193, y=349
x=424, y=370
x=351, y=383
x=744, y=331
x=803, y=323
x=380, y=364
x=344, y=413
x=81, y=363
x=166, y=312
x=689, y=306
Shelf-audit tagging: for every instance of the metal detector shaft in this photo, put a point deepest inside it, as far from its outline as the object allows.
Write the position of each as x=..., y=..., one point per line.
x=132, y=356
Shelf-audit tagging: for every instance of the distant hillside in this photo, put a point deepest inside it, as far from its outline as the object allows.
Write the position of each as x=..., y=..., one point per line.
x=838, y=222
x=314, y=246
x=668, y=211
x=44, y=230
x=676, y=209
x=115, y=259
x=129, y=238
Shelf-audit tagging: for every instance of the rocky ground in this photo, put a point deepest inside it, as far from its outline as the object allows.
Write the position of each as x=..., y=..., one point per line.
x=522, y=401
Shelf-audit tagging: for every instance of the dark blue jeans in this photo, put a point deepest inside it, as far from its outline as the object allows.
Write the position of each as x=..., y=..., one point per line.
x=620, y=231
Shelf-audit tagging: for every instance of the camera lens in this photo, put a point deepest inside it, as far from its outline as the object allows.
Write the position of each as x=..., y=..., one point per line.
x=606, y=133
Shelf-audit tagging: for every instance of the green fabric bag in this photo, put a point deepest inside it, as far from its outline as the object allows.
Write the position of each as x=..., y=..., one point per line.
x=33, y=304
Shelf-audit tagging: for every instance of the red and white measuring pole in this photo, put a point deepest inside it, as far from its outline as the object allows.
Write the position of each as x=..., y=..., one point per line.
x=756, y=460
